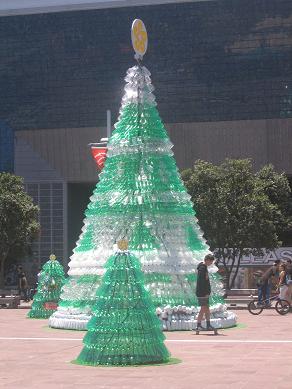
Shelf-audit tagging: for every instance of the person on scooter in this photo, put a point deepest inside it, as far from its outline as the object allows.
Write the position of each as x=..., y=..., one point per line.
x=203, y=291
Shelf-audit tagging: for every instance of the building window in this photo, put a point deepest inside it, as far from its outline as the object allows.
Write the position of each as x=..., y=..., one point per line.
x=49, y=198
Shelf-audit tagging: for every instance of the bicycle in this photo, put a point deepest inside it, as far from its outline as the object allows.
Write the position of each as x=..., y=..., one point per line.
x=282, y=307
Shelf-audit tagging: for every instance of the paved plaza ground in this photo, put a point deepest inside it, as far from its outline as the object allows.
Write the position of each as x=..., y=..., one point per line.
x=257, y=354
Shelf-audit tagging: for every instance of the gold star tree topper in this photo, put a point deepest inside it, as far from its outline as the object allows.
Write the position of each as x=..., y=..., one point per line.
x=139, y=38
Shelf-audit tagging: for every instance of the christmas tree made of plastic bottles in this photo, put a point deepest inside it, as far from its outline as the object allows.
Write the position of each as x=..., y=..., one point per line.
x=51, y=280
x=124, y=328
x=141, y=196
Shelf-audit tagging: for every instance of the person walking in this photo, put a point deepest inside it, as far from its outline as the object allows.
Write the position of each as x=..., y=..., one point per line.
x=282, y=283
x=203, y=291
x=257, y=276
x=19, y=271
x=23, y=286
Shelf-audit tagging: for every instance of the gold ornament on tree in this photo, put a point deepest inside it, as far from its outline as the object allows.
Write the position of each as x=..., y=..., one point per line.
x=123, y=244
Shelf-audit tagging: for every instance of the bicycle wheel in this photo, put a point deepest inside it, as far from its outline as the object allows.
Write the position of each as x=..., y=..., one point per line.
x=254, y=307
x=282, y=307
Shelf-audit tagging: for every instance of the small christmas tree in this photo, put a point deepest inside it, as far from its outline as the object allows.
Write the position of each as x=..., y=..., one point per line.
x=124, y=329
x=46, y=299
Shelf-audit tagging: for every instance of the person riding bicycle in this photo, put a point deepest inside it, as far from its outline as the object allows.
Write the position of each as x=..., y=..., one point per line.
x=264, y=283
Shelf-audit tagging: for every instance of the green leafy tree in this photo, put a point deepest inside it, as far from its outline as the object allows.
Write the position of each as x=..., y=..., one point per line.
x=277, y=188
x=18, y=219
x=240, y=211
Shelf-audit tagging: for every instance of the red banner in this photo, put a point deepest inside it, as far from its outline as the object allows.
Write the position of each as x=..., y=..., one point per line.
x=99, y=154
x=50, y=305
